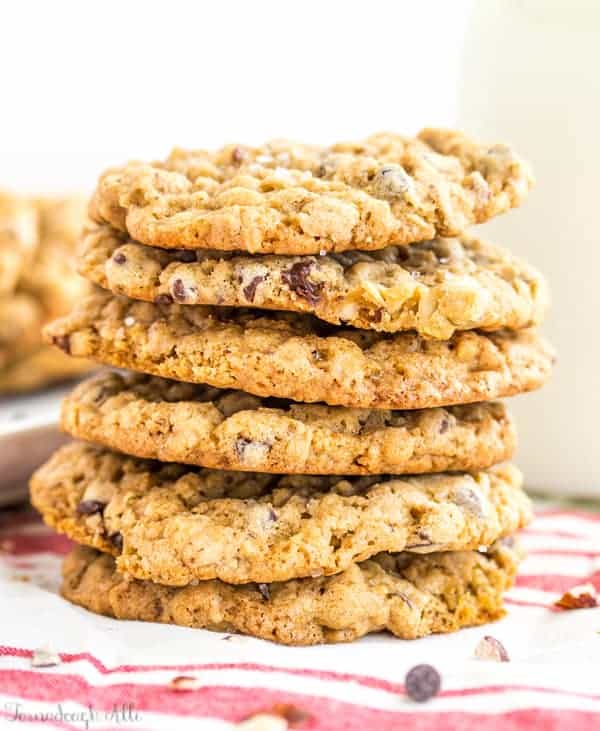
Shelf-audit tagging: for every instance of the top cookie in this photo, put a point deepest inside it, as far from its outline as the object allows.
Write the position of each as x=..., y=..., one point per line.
x=434, y=287
x=285, y=198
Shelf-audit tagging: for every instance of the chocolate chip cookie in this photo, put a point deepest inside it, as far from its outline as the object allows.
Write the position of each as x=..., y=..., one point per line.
x=286, y=198
x=299, y=357
x=406, y=594
x=434, y=287
x=175, y=524
x=171, y=421
x=18, y=238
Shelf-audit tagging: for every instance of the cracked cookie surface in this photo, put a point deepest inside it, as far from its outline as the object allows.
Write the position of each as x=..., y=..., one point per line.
x=299, y=357
x=171, y=421
x=174, y=524
x=287, y=198
x=433, y=287
x=411, y=596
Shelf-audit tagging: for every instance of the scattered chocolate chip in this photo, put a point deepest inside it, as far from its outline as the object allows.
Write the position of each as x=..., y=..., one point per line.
x=489, y=648
x=250, y=289
x=184, y=683
x=273, y=515
x=264, y=591
x=296, y=278
x=117, y=540
x=292, y=714
x=163, y=299
x=90, y=507
x=119, y=257
x=422, y=683
x=184, y=255
x=579, y=597
x=63, y=342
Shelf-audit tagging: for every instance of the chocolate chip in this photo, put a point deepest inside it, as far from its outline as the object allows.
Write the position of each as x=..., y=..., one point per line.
x=119, y=257
x=184, y=255
x=179, y=291
x=377, y=315
x=163, y=299
x=273, y=515
x=422, y=683
x=264, y=591
x=444, y=425
x=250, y=289
x=116, y=539
x=296, y=277
x=63, y=342
x=90, y=507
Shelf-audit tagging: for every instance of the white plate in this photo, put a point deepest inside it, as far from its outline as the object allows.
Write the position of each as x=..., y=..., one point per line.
x=28, y=435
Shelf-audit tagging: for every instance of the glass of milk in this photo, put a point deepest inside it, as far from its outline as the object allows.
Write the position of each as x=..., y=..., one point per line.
x=531, y=76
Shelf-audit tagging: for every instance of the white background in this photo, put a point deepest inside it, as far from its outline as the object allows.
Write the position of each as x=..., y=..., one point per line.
x=90, y=84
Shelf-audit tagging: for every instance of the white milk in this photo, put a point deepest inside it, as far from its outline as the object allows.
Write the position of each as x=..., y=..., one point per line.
x=531, y=76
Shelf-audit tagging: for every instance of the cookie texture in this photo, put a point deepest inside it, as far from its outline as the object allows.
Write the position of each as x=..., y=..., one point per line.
x=18, y=238
x=286, y=198
x=283, y=355
x=171, y=421
x=174, y=524
x=433, y=287
x=42, y=238
x=406, y=594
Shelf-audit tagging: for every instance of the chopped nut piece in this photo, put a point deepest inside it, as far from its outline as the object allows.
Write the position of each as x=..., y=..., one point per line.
x=185, y=683
x=489, y=648
x=422, y=683
x=579, y=597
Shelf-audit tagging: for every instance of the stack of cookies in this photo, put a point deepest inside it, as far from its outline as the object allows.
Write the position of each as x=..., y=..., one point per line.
x=38, y=282
x=305, y=444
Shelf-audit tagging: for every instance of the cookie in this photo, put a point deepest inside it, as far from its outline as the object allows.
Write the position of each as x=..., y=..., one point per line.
x=18, y=238
x=175, y=524
x=282, y=354
x=178, y=422
x=21, y=321
x=433, y=287
x=51, y=276
x=286, y=198
x=39, y=367
x=409, y=595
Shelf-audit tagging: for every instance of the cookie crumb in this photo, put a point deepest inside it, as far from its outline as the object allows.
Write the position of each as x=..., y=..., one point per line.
x=579, y=597
x=422, y=683
x=294, y=715
x=489, y=648
x=42, y=658
x=184, y=683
